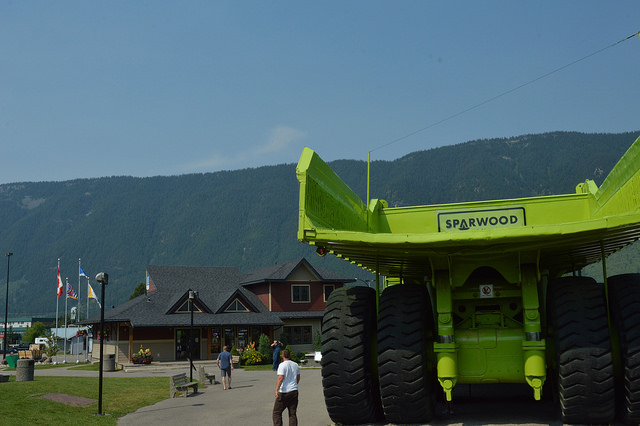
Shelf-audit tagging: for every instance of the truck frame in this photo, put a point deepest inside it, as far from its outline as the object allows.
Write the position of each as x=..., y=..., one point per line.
x=478, y=292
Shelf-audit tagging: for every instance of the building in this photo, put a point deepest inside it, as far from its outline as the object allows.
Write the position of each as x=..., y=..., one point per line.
x=16, y=327
x=218, y=306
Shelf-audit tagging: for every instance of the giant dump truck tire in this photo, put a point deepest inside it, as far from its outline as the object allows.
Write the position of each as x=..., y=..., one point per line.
x=405, y=354
x=349, y=373
x=624, y=300
x=581, y=362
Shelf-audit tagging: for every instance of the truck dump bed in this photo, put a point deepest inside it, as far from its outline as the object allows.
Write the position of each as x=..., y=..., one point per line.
x=559, y=233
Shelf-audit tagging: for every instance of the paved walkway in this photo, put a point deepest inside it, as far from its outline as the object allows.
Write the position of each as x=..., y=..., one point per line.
x=250, y=400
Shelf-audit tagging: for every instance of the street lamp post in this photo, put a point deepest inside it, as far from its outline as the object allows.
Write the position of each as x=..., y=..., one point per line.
x=103, y=279
x=192, y=296
x=6, y=310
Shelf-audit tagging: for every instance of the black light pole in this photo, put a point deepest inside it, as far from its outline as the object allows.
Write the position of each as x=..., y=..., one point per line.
x=192, y=295
x=6, y=309
x=103, y=279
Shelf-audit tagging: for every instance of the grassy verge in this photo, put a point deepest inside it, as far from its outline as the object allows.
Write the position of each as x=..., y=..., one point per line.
x=22, y=403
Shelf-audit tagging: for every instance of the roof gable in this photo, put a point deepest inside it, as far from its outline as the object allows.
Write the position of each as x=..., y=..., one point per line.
x=294, y=270
x=182, y=305
x=237, y=298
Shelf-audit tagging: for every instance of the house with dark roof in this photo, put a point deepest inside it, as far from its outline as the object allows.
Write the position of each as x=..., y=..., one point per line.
x=216, y=306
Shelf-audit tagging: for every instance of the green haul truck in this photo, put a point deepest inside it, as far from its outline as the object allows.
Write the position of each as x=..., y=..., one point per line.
x=475, y=293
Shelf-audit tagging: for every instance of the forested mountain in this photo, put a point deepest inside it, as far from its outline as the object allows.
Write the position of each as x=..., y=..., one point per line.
x=248, y=218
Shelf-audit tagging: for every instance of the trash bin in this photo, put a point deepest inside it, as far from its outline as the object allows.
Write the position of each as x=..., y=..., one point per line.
x=109, y=362
x=11, y=360
x=24, y=370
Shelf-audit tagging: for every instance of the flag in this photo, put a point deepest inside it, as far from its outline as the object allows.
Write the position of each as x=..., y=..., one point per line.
x=92, y=295
x=71, y=293
x=59, y=284
x=82, y=274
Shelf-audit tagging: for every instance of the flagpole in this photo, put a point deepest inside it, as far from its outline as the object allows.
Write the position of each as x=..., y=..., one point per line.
x=66, y=299
x=57, y=302
x=86, y=336
x=78, y=313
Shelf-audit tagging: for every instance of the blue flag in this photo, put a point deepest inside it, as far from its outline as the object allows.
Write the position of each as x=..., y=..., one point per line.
x=82, y=274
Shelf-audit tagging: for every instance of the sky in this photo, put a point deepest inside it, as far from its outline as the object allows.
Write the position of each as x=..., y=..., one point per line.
x=148, y=88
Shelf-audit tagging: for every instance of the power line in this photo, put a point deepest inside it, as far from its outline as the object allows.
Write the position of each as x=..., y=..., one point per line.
x=478, y=105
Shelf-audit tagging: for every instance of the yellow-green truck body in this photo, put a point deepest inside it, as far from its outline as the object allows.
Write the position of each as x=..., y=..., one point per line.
x=496, y=277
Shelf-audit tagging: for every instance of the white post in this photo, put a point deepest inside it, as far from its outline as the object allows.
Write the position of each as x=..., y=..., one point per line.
x=78, y=314
x=55, y=339
x=86, y=336
x=66, y=298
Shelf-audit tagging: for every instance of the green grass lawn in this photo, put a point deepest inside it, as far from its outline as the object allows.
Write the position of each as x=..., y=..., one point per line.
x=22, y=403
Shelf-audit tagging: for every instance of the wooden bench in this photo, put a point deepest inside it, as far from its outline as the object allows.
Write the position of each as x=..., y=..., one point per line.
x=179, y=383
x=204, y=376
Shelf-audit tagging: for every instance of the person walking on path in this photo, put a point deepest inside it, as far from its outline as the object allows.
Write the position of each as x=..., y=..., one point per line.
x=276, y=345
x=225, y=364
x=286, y=390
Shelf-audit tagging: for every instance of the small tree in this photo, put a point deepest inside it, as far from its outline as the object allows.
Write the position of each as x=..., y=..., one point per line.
x=264, y=347
x=294, y=356
x=138, y=291
x=52, y=347
x=37, y=330
x=317, y=343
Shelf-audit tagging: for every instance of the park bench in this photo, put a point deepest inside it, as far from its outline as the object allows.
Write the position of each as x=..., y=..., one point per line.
x=204, y=376
x=179, y=383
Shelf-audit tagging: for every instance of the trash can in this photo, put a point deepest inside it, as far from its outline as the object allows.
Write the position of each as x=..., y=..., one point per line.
x=24, y=370
x=109, y=362
x=11, y=360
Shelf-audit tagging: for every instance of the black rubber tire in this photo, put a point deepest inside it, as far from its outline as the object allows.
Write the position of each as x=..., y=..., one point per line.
x=405, y=354
x=624, y=302
x=581, y=362
x=349, y=371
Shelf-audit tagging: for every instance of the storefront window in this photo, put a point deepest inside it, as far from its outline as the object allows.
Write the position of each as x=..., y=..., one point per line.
x=243, y=336
x=299, y=335
x=215, y=341
x=229, y=337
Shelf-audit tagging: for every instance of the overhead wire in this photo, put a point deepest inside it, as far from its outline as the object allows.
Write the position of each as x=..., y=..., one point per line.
x=493, y=98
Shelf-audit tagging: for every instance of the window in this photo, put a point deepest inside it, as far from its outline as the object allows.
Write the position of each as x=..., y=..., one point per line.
x=298, y=335
x=184, y=309
x=300, y=293
x=236, y=306
x=328, y=288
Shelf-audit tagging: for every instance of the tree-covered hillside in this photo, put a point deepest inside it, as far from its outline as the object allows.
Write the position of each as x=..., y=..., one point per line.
x=248, y=218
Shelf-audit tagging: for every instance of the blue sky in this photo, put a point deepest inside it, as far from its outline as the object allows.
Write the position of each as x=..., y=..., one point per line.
x=147, y=88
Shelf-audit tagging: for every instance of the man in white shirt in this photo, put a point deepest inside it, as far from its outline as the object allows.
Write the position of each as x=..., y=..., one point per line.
x=286, y=390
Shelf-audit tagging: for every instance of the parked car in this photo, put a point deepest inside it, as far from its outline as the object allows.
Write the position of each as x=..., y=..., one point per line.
x=10, y=350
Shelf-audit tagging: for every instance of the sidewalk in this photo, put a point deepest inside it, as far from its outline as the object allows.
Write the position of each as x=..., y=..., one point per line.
x=249, y=401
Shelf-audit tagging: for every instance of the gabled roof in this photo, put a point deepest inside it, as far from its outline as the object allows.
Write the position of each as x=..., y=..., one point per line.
x=282, y=271
x=215, y=286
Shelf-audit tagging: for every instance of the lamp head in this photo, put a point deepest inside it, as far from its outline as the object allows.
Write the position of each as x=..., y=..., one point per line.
x=103, y=278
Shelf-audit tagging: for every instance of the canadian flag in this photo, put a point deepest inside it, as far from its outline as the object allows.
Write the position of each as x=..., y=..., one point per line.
x=59, y=284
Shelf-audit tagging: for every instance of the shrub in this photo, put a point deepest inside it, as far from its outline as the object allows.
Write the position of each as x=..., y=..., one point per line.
x=234, y=351
x=317, y=342
x=264, y=347
x=251, y=356
x=52, y=348
x=294, y=356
